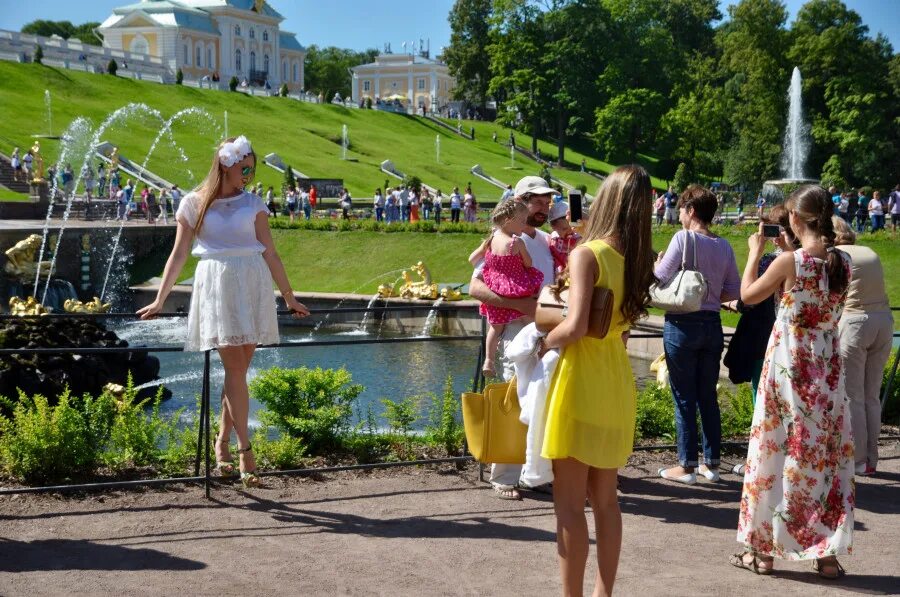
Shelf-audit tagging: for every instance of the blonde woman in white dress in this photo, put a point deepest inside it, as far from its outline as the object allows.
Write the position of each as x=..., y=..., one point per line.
x=232, y=304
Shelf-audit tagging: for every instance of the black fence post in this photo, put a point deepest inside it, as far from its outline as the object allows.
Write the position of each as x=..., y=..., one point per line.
x=205, y=399
x=201, y=417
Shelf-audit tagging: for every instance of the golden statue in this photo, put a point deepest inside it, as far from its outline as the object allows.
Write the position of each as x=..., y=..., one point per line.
x=113, y=160
x=423, y=289
x=30, y=306
x=450, y=294
x=94, y=306
x=38, y=162
x=22, y=258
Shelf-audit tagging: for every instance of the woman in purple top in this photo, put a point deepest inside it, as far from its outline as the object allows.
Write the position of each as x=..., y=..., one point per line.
x=694, y=342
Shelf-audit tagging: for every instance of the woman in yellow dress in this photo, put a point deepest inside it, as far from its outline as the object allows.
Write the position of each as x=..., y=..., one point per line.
x=591, y=404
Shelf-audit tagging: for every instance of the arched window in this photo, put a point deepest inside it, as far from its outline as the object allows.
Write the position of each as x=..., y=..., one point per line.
x=237, y=30
x=265, y=35
x=237, y=60
x=296, y=72
x=284, y=70
x=209, y=58
x=252, y=33
x=198, y=55
x=139, y=45
x=187, y=55
x=266, y=63
x=252, y=60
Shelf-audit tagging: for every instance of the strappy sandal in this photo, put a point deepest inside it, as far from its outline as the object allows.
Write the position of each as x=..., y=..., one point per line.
x=225, y=467
x=738, y=561
x=249, y=478
x=507, y=492
x=819, y=566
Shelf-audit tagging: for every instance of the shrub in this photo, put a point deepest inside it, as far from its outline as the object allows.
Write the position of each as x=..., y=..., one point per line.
x=112, y=67
x=39, y=55
x=137, y=433
x=891, y=411
x=444, y=428
x=282, y=453
x=737, y=411
x=233, y=83
x=413, y=181
x=314, y=405
x=283, y=91
x=368, y=103
x=655, y=413
x=46, y=444
x=179, y=77
x=681, y=179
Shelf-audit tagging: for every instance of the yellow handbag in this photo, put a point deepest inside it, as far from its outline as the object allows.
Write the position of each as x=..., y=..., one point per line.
x=493, y=429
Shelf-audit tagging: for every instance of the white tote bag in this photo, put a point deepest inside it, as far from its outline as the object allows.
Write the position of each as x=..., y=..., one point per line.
x=685, y=292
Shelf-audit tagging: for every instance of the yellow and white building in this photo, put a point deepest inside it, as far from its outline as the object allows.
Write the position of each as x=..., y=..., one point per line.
x=415, y=80
x=239, y=38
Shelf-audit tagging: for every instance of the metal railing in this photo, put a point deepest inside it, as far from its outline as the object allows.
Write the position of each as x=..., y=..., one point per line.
x=204, y=429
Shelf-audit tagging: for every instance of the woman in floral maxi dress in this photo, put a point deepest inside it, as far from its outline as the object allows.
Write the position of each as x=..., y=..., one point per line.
x=798, y=495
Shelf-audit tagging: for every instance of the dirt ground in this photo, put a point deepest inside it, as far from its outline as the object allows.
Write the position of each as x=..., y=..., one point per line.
x=408, y=532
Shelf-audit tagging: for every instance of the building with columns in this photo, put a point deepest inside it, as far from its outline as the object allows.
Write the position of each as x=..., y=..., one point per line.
x=417, y=80
x=238, y=38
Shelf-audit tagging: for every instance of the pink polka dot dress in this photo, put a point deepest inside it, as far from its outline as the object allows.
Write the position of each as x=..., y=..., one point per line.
x=508, y=277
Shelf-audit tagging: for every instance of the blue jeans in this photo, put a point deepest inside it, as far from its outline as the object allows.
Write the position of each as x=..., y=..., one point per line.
x=379, y=214
x=693, y=345
x=307, y=211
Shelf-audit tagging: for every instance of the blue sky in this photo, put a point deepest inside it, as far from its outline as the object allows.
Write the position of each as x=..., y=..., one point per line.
x=361, y=24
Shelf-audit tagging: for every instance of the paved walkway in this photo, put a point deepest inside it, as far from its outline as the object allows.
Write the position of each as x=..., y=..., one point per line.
x=414, y=532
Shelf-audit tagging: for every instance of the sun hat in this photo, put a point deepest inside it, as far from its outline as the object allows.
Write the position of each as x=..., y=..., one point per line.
x=534, y=185
x=558, y=211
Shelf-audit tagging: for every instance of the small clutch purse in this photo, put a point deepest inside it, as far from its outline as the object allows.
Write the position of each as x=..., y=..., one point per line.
x=551, y=311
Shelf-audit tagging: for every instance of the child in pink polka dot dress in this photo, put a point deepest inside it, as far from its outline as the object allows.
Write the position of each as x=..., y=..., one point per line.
x=507, y=271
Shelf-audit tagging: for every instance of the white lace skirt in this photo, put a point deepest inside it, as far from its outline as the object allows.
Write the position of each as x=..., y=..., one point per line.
x=232, y=303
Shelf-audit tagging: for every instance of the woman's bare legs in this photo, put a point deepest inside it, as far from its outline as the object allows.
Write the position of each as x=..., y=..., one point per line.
x=608, y=523
x=570, y=482
x=236, y=399
x=494, y=333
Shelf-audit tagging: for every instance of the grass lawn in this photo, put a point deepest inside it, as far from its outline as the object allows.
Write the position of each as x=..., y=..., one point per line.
x=348, y=261
x=307, y=136
x=9, y=195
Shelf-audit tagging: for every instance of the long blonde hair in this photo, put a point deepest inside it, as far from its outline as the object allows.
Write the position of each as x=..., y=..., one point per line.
x=622, y=208
x=210, y=188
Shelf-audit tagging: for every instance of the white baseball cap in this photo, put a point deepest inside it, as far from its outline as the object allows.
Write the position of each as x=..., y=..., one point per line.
x=558, y=211
x=534, y=185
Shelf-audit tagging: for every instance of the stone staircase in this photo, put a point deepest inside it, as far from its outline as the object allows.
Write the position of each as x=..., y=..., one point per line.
x=6, y=176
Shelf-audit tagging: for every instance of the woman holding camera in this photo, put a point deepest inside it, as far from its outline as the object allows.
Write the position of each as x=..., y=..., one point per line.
x=797, y=500
x=693, y=342
x=589, y=432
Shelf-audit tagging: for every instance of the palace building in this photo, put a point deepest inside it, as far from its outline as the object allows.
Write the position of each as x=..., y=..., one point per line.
x=415, y=79
x=227, y=38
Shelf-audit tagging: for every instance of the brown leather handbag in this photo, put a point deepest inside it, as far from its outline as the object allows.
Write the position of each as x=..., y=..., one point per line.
x=551, y=311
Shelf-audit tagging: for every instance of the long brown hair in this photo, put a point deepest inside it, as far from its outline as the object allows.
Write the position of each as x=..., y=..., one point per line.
x=210, y=188
x=622, y=208
x=812, y=204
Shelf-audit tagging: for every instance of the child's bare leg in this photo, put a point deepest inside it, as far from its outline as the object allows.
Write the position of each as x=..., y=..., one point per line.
x=495, y=331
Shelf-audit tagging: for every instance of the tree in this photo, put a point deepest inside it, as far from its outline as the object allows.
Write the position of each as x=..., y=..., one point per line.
x=233, y=83
x=38, y=54
x=753, y=46
x=64, y=29
x=847, y=93
x=681, y=179
x=179, y=77
x=628, y=121
x=289, y=181
x=325, y=69
x=465, y=56
x=112, y=67
x=283, y=91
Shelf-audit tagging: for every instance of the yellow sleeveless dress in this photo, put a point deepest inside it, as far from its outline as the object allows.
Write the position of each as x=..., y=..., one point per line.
x=592, y=400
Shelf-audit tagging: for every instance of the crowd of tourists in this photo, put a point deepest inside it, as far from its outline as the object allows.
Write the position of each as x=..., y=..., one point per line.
x=813, y=339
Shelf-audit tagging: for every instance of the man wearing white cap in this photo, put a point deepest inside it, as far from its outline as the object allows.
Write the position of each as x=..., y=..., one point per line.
x=534, y=192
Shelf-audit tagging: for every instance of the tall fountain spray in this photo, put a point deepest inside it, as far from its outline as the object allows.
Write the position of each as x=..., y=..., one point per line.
x=437, y=149
x=226, y=125
x=49, y=112
x=796, y=135
x=345, y=141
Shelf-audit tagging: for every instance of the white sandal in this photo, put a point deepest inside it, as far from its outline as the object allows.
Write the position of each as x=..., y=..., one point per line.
x=687, y=478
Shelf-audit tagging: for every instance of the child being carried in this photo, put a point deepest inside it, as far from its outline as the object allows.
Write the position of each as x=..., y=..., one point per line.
x=507, y=272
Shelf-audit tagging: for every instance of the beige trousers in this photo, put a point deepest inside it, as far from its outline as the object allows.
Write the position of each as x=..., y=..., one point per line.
x=865, y=348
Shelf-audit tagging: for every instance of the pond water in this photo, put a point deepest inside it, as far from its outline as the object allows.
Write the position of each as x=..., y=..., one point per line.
x=392, y=371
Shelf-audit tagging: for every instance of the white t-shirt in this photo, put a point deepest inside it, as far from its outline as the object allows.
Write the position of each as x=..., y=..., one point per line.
x=539, y=250
x=228, y=227
x=876, y=208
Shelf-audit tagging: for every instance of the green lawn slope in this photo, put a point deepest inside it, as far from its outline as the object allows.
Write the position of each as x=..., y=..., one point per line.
x=307, y=136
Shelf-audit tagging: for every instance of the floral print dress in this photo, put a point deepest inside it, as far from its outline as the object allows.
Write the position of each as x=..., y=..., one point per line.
x=798, y=496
